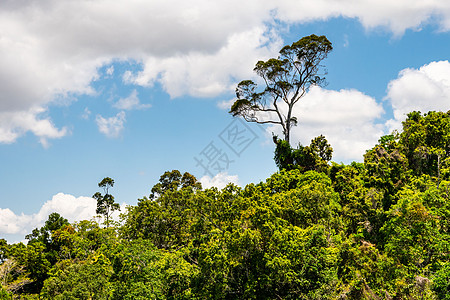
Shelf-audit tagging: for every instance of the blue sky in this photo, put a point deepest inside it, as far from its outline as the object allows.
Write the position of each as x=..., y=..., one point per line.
x=131, y=89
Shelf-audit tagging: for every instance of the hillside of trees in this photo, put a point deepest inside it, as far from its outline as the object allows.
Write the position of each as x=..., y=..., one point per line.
x=313, y=230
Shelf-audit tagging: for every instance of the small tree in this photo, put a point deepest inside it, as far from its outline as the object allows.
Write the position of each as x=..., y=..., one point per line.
x=286, y=80
x=105, y=203
x=313, y=157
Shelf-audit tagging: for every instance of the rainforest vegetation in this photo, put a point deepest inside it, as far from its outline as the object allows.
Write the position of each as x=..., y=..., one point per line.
x=314, y=230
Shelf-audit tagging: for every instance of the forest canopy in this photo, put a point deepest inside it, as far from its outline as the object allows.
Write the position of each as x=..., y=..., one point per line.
x=313, y=230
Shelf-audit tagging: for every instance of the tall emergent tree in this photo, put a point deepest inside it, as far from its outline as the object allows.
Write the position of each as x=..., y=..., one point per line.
x=105, y=203
x=286, y=80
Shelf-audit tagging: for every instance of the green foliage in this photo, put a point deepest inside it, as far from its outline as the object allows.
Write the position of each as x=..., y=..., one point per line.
x=312, y=202
x=441, y=281
x=387, y=169
x=4, y=294
x=273, y=249
x=41, y=252
x=173, y=181
x=51, y=247
x=360, y=269
x=165, y=217
x=425, y=140
x=372, y=230
x=3, y=250
x=79, y=280
x=12, y=278
x=143, y=272
x=305, y=158
x=362, y=209
x=44, y=234
x=79, y=240
x=165, y=221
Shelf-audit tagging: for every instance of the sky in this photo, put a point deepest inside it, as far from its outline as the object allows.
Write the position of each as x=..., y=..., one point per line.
x=129, y=89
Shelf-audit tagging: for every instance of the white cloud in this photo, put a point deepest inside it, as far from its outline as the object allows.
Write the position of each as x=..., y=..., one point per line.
x=226, y=104
x=209, y=74
x=346, y=41
x=347, y=118
x=53, y=49
x=10, y=223
x=110, y=71
x=396, y=16
x=423, y=89
x=68, y=206
x=86, y=113
x=14, y=124
x=220, y=180
x=111, y=127
x=131, y=102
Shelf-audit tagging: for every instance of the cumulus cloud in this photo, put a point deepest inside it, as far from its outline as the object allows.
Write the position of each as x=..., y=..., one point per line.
x=423, y=89
x=220, y=180
x=53, y=49
x=209, y=74
x=111, y=127
x=396, y=16
x=110, y=71
x=10, y=223
x=347, y=118
x=68, y=206
x=226, y=104
x=86, y=113
x=14, y=124
x=131, y=102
